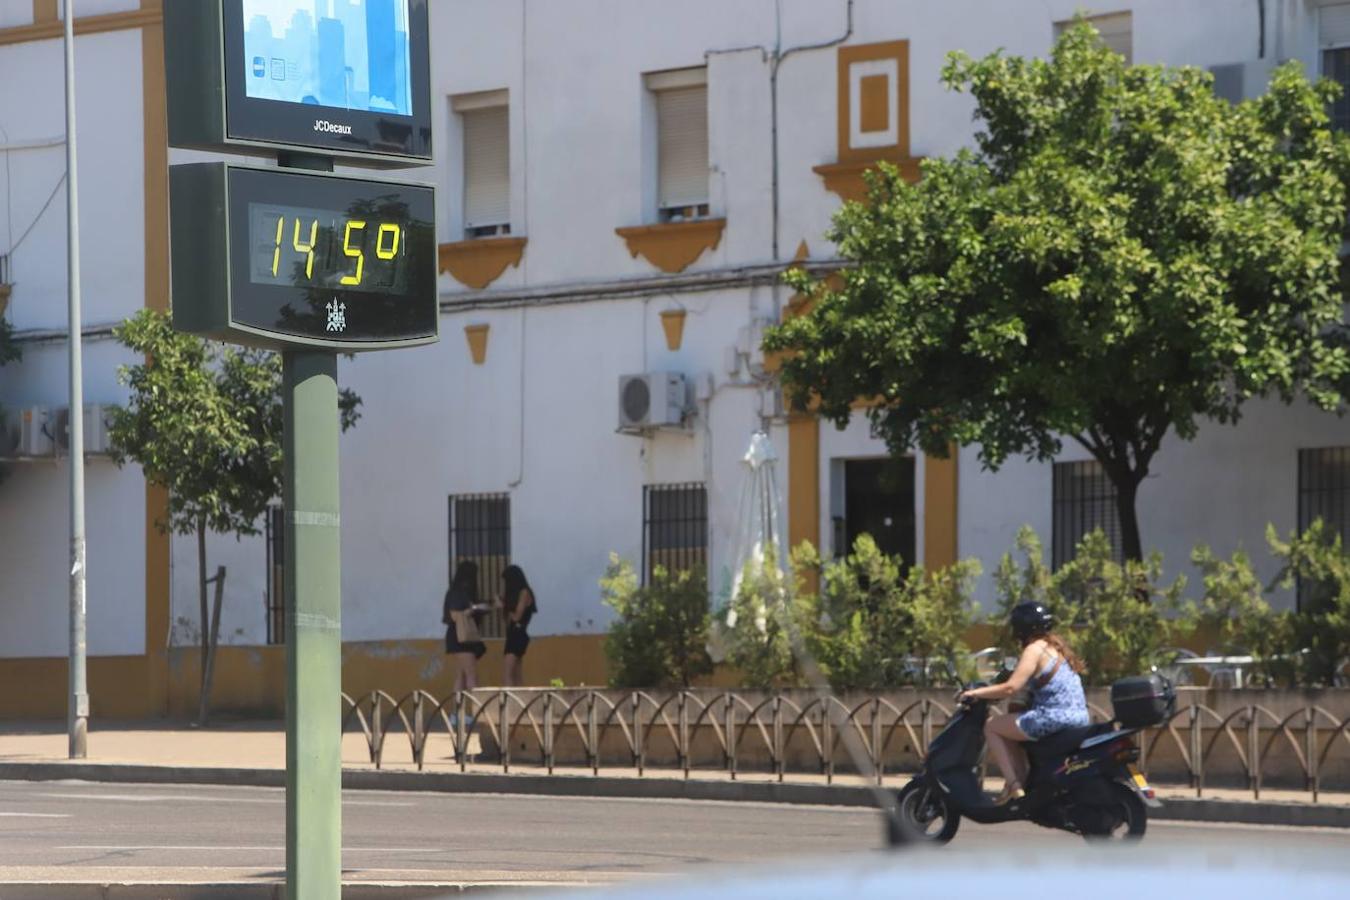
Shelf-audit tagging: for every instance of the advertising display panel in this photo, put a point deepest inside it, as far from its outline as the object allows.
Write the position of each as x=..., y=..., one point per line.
x=340, y=77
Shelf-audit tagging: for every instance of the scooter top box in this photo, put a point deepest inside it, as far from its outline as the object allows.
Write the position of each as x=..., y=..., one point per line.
x=1143, y=701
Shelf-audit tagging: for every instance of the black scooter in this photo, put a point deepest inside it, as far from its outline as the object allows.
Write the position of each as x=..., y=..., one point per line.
x=1083, y=780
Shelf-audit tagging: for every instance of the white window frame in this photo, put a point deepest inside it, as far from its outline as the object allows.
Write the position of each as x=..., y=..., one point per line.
x=655, y=84
x=464, y=106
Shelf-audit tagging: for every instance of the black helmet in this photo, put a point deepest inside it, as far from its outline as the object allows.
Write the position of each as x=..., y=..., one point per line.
x=1030, y=619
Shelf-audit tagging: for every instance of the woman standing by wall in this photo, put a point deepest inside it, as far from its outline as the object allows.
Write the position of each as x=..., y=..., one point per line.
x=460, y=614
x=519, y=607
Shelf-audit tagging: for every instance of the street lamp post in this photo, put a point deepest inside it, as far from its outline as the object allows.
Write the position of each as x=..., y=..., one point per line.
x=77, y=709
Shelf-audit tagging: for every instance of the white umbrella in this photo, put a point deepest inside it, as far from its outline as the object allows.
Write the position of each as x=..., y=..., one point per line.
x=759, y=535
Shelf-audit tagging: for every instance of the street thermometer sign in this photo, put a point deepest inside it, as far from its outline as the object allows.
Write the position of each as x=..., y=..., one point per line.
x=279, y=258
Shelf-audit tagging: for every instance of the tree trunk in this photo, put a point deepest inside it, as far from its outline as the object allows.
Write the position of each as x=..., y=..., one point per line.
x=209, y=660
x=204, y=623
x=1127, y=492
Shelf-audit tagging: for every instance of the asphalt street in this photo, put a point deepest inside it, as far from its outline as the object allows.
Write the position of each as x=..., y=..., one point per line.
x=84, y=832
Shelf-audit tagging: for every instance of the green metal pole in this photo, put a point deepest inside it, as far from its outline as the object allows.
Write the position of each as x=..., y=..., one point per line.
x=313, y=618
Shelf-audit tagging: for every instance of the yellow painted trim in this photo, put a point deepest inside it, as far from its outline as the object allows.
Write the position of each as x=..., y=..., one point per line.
x=899, y=105
x=939, y=510
x=50, y=30
x=672, y=323
x=846, y=178
x=156, y=175
x=875, y=113
x=478, y=263
x=477, y=336
x=38, y=688
x=804, y=484
x=672, y=246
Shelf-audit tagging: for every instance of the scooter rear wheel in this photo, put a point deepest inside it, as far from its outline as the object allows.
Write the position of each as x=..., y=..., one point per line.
x=1127, y=816
x=922, y=813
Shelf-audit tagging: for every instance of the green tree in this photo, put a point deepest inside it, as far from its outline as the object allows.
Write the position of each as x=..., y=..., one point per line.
x=880, y=624
x=203, y=420
x=1317, y=562
x=1095, y=600
x=1234, y=612
x=660, y=635
x=765, y=627
x=1121, y=257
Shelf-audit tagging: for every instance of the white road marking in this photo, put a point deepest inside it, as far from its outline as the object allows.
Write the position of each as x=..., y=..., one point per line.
x=217, y=848
x=27, y=815
x=187, y=798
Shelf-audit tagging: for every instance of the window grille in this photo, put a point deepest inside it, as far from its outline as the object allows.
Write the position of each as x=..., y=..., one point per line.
x=480, y=531
x=1323, y=493
x=674, y=528
x=274, y=598
x=1084, y=501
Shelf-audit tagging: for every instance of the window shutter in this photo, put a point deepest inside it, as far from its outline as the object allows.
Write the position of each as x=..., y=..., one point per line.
x=1333, y=25
x=1117, y=33
x=487, y=167
x=1116, y=29
x=682, y=125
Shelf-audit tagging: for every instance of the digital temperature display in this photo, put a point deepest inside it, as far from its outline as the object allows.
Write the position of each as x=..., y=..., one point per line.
x=326, y=248
x=311, y=258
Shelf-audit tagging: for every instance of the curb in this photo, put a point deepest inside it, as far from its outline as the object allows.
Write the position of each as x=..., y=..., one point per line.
x=253, y=890
x=1175, y=809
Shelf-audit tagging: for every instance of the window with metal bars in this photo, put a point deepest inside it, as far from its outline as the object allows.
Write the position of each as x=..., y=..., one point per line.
x=674, y=528
x=480, y=531
x=1336, y=66
x=1084, y=500
x=274, y=595
x=1323, y=493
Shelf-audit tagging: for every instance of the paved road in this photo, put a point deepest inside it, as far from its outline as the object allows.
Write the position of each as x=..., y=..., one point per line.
x=85, y=832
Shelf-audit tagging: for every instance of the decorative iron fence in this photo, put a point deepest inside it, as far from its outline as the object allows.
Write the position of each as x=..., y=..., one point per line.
x=723, y=730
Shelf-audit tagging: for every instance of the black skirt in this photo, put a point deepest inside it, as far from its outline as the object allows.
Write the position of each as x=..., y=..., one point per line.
x=517, y=639
x=453, y=645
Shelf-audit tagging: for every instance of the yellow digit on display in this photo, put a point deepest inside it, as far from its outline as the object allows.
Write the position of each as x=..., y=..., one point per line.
x=307, y=248
x=276, y=254
x=354, y=252
x=379, y=241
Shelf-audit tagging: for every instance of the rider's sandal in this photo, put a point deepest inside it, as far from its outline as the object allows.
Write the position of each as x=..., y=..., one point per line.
x=1010, y=795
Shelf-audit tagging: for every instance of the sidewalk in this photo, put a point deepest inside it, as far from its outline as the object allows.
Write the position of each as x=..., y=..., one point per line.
x=255, y=753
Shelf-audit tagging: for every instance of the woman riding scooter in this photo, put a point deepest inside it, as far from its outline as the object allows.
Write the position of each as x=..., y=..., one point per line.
x=1057, y=702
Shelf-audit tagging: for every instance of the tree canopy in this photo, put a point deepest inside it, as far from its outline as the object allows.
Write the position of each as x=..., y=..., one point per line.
x=1122, y=255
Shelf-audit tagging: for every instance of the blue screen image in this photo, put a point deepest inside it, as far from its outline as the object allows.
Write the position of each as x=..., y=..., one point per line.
x=345, y=54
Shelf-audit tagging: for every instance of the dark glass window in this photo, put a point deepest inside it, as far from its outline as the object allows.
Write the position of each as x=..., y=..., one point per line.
x=1336, y=66
x=1324, y=493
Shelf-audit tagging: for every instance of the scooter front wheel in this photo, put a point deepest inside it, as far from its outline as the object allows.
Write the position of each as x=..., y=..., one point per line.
x=922, y=813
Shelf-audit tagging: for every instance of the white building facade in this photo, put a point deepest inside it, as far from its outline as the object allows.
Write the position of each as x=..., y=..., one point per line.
x=620, y=186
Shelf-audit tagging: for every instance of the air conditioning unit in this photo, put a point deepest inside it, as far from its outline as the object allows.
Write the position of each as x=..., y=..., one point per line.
x=95, y=429
x=1236, y=82
x=35, y=432
x=652, y=400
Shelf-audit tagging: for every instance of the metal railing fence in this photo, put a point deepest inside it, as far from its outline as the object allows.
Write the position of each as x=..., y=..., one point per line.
x=721, y=731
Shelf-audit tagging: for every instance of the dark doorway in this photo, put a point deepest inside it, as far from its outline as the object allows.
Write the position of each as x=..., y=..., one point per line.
x=879, y=500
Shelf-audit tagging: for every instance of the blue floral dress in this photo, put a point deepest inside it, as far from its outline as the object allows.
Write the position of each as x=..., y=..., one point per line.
x=1056, y=704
